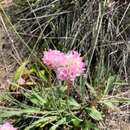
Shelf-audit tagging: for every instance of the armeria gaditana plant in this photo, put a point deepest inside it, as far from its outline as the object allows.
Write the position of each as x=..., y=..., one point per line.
x=67, y=66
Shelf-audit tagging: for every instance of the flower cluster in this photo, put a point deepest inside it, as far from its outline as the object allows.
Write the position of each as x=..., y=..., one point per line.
x=67, y=66
x=53, y=58
x=7, y=126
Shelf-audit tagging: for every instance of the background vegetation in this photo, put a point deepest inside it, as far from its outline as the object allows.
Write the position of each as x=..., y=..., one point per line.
x=99, y=30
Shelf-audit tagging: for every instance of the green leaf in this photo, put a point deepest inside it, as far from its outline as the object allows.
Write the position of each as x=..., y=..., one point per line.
x=57, y=124
x=38, y=72
x=42, y=122
x=92, y=90
x=21, y=70
x=109, y=104
x=94, y=113
x=72, y=102
x=5, y=114
x=35, y=98
x=110, y=83
x=42, y=75
x=10, y=113
x=82, y=88
x=88, y=125
x=76, y=121
x=120, y=100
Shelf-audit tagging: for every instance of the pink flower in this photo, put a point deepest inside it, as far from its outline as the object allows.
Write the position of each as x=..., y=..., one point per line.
x=53, y=58
x=7, y=126
x=21, y=81
x=67, y=66
x=73, y=67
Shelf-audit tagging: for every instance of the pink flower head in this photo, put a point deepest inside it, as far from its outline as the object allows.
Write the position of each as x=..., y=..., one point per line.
x=21, y=81
x=67, y=66
x=53, y=58
x=73, y=67
x=7, y=126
